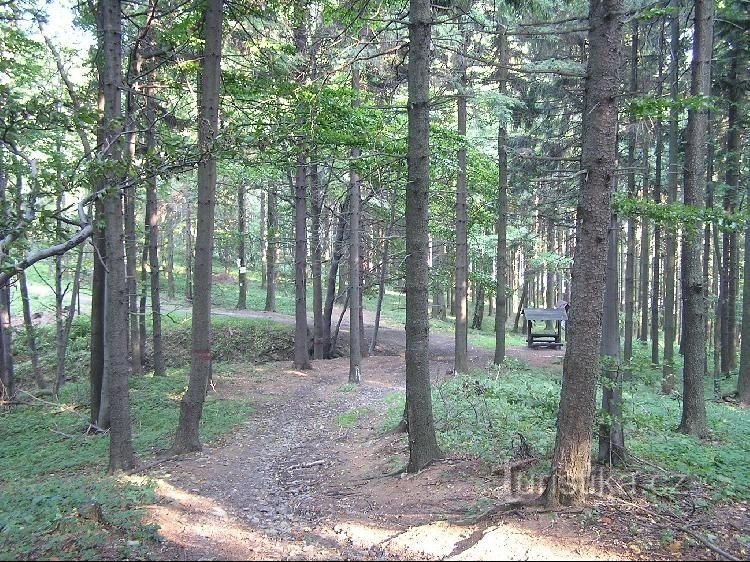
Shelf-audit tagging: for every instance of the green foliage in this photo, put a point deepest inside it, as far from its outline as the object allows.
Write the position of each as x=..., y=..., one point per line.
x=672, y=215
x=49, y=468
x=349, y=419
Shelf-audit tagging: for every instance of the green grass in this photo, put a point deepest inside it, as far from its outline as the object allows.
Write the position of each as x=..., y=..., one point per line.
x=349, y=419
x=234, y=339
x=482, y=414
x=48, y=468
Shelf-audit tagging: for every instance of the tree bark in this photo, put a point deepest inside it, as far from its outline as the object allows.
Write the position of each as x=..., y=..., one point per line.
x=630, y=248
x=241, y=231
x=188, y=247
x=657, y=261
x=501, y=225
x=462, y=248
x=423, y=448
x=693, y=296
x=152, y=239
x=30, y=332
x=316, y=205
x=611, y=434
x=643, y=282
x=668, y=378
x=355, y=265
x=571, y=462
x=263, y=239
x=272, y=227
x=191, y=406
x=731, y=246
x=97, y=363
x=121, y=455
x=170, y=254
x=333, y=268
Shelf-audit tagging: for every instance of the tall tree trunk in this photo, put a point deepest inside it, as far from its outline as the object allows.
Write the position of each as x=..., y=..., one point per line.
x=241, y=231
x=263, y=239
x=355, y=266
x=97, y=362
x=423, y=448
x=152, y=229
x=630, y=250
x=693, y=295
x=571, y=463
x=333, y=268
x=382, y=278
x=316, y=205
x=131, y=138
x=191, y=406
x=438, y=287
x=121, y=455
x=462, y=248
x=8, y=379
x=668, y=378
x=272, y=227
x=301, y=349
x=657, y=261
x=30, y=332
x=189, y=257
x=731, y=246
x=501, y=224
x=643, y=282
x=170, y=253
x=611, y=434
x=64, y=335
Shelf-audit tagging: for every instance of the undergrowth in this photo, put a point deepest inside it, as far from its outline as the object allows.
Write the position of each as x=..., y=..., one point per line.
x=485, y=413
x=49, y=470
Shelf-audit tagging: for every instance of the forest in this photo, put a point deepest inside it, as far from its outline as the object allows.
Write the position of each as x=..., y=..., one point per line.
x=334, y=279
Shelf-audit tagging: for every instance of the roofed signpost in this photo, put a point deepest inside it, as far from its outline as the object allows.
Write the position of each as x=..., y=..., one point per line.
x=545, y=338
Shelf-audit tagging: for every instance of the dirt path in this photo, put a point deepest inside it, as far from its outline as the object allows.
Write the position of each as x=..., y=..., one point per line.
x=296, y=482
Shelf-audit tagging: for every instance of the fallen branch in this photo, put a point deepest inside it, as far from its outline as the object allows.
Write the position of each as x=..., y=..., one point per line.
x=306, y=464
x=711, y=546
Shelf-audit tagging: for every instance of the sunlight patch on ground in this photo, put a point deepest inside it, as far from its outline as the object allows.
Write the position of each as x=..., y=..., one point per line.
x=435, y=540
x=506, y=542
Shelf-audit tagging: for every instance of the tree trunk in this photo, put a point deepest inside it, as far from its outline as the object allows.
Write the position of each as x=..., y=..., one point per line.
x=438, y=288
x=191, y=406
x=355, y=266
x=462, y=248
x=571, y=462
x=188, y=248
x=731, y=246
x=611, y=434
x=263, y=239
x=301, y=349
x=121, y=455
x=152, y=229
x=316, y=205
x=170, y=254
x=272, y=227
x=668, y=378
x=643, y=282
x=521, y=304
x=423, y=448
x=501, y=225
x=381, y=283
x=64, y=334
x=630, y=249
x=30, y=332
x=657, y=261
x=98, y=306
x=693, y=297
x=241, y=231
x=8, y=379
x=333, y=268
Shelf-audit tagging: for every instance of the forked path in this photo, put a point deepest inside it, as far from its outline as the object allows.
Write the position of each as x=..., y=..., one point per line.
x=309, y=476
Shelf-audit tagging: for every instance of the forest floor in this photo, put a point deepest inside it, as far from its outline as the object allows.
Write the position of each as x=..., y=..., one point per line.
x=313, y=473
